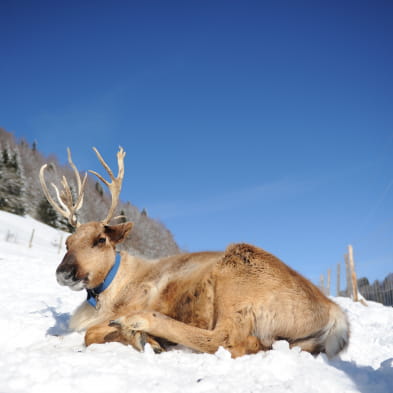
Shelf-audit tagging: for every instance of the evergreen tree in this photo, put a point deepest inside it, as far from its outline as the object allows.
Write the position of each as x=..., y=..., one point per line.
x=11, y=182
x=3, y=196
x=14, y=164
x=46, y=213
x=64, y=225
x=99, y=189
x=62, y=222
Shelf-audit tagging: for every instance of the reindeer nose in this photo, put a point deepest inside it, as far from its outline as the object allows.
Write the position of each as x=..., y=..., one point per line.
x=67, y=269
x=68, y=272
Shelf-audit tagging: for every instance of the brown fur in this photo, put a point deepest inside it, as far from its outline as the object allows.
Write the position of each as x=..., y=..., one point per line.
x=242, y=299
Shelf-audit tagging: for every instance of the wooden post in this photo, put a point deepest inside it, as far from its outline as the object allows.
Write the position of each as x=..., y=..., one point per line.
x=31, y=238
x=353, y=274
x=348, y=275
x=338, y=280
x=60, y=243
x=328, y=283
x=321, y=283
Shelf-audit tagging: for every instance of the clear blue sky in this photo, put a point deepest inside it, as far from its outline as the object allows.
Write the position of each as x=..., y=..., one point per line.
x=264, y=122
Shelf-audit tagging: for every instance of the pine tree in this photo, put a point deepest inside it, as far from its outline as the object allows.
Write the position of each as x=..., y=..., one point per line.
x=5, y=156
x=46, y=213
x=3, y=195
x=62, y=222
x=11, y=182
x=99, y=189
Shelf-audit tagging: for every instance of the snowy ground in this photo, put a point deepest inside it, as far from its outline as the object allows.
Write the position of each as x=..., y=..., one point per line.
x=38, y=354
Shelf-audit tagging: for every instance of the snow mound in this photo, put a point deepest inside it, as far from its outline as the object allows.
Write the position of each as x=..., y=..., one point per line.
x=40, y=355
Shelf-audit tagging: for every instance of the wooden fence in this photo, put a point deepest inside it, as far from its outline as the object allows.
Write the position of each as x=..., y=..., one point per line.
x=352, y=289
x=359, y=289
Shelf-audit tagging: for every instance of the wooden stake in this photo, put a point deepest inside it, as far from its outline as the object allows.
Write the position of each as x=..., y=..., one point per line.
x=328, y=282
x=348, y=275
x=353, y=274
x=31, y=238
x=60, y=244
x=321, y=283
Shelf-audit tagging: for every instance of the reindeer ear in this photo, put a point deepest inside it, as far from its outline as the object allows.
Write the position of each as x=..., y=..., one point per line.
x=118, y=233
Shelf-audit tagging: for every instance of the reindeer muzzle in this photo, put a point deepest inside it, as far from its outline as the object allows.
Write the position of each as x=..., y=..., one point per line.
x=67, y=273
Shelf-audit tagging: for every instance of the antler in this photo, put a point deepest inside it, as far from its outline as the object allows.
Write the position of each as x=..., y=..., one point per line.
x=114, y=186
x=65, y=206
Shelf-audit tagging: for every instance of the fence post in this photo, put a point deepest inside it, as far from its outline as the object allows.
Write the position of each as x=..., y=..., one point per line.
x=348, y=275
x=60, y=243
x=353, y=274
x=338, y=279
x=31, y=238
x=322, y=283
x=328, y=282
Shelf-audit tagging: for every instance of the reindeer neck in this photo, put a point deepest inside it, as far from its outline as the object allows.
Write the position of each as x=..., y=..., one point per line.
x=92, y=294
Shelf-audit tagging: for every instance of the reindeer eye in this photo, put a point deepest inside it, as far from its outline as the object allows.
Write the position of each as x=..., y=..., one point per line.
x=99, y=241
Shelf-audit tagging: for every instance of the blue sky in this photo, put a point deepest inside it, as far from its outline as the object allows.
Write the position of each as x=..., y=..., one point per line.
x=264, y=122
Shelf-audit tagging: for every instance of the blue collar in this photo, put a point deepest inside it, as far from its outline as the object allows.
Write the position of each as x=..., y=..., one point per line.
x=92, y=294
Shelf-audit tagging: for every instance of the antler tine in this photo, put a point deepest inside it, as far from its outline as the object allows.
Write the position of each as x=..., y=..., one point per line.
x=65, y=205
x=116, y=182
x=80, y=184
x=66, y=195
x=63, y=211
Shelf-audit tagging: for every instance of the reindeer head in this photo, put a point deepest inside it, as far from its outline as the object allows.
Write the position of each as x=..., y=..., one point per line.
x=91, y=249
x=90, y=254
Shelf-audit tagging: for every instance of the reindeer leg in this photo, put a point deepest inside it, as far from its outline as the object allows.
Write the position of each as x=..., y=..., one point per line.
x=201, y=340
x=105, y=332
x=102, y=333
x=136, y=338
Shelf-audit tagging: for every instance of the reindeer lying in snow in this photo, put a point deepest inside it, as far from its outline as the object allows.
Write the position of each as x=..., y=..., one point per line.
x=242, y=299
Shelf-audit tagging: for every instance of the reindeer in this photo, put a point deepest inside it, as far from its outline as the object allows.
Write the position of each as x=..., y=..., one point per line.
x=242, y=299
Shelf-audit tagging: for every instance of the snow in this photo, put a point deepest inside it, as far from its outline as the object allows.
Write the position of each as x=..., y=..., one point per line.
x=39, y=354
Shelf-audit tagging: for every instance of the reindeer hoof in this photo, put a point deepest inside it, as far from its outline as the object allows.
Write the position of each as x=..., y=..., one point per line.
x=157, y=348
x=139, y=341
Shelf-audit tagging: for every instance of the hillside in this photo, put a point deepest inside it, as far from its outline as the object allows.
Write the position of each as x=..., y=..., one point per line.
x=39, y=354
x=20, y=193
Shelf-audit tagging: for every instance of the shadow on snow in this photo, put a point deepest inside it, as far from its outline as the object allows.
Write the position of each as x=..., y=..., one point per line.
x=366, y=379
x=61, y=320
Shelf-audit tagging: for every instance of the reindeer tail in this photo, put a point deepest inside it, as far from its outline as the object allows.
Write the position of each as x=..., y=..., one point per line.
x=337, y=332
